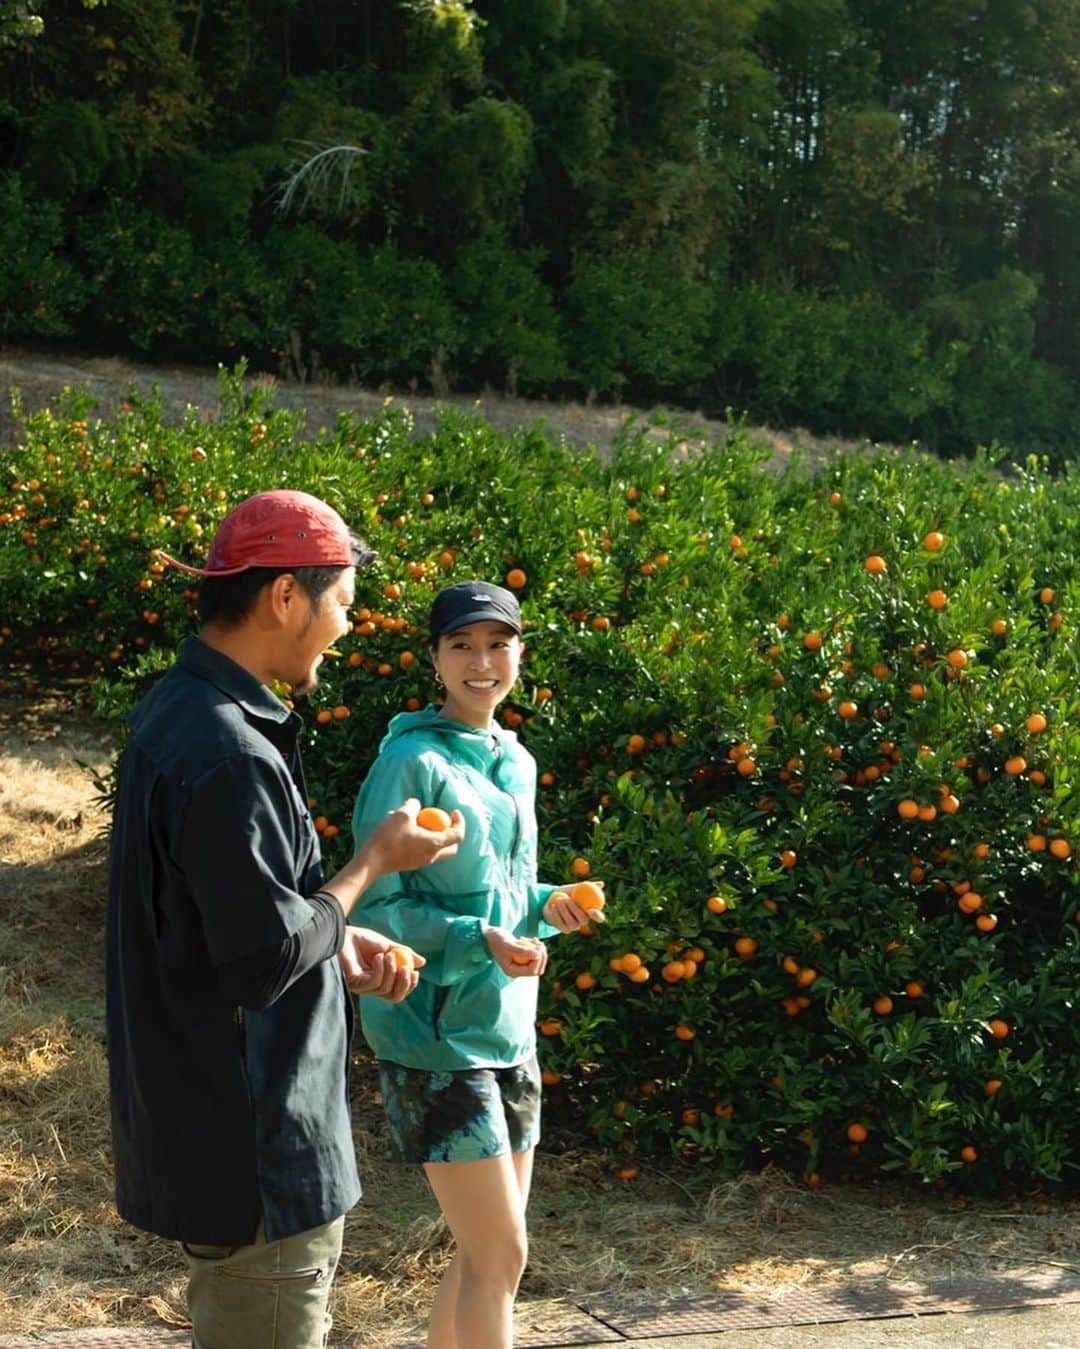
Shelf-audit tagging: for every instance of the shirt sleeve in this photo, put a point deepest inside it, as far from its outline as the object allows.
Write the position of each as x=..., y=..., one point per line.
x=539, y=894
x=396, y=904
x=237, y=848
x=256, y=981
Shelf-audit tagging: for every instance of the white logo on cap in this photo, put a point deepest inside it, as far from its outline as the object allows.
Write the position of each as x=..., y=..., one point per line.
x=480, y=598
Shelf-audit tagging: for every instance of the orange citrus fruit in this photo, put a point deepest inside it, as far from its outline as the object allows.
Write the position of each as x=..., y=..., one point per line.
x=588, y=895
x=431, y=817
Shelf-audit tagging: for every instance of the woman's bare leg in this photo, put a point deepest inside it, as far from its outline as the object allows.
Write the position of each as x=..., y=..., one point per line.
x=484, y=1206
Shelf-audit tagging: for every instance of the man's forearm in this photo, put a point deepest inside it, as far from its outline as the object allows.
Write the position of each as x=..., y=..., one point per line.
x=356, y=876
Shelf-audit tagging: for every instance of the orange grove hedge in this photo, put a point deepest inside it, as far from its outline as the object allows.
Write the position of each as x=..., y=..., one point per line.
x=816, y=730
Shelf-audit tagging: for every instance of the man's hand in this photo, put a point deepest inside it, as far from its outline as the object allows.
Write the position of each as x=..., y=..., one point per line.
x=397, y=843
x=400, y=844
x=378, y=967
x=516, y=956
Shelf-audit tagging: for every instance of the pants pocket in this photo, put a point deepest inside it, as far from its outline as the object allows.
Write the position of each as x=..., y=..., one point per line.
x=314, y=1275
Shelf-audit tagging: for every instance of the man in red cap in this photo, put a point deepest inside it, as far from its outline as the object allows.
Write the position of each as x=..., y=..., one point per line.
x=229, y=960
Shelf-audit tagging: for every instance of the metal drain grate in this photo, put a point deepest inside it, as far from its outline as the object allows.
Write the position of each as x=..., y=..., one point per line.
x=794, y=1307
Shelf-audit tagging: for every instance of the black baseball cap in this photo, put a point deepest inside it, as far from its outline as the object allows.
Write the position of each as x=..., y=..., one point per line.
x=473, y=602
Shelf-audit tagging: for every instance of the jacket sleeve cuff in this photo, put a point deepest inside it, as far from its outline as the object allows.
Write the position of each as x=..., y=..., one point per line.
x=544, y=929
x=466, y=950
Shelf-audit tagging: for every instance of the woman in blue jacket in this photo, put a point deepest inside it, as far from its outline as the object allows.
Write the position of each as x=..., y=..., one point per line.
x=457, y=1059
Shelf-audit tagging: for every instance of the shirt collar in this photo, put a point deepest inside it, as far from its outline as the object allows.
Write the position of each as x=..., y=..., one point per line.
x=233, y=680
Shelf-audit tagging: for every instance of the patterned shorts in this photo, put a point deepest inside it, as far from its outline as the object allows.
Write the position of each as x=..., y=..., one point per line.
x=461, y=1116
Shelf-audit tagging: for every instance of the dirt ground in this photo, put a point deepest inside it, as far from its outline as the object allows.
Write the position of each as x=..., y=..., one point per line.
x=42, y=374
x=69, y=1262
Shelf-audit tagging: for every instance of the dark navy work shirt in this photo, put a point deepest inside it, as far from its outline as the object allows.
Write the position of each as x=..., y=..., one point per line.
x=229, y=1091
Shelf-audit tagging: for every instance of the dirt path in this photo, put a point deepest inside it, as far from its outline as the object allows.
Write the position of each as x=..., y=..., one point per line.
x=41, y=375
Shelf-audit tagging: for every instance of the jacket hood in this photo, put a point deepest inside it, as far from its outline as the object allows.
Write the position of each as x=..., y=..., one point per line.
x=459, y=740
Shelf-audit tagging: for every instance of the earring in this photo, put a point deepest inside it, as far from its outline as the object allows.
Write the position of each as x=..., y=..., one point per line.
x=439, y=681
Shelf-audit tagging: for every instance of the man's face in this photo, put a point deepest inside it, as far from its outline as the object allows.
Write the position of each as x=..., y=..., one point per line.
x=316, y=626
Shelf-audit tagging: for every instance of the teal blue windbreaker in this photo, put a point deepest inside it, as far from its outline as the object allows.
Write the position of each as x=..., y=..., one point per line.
x=465, y=1013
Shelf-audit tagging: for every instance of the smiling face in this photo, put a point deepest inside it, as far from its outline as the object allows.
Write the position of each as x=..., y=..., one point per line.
x=479, y=666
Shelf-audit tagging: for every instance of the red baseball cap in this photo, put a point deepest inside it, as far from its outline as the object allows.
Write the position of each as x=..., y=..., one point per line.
x=276, y=529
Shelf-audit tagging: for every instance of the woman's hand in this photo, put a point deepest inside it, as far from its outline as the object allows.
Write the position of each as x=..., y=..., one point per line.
x=516, y=956
x=562, y=912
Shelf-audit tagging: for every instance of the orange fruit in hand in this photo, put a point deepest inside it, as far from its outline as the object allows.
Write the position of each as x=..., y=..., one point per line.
x=403, y=958
x=588, y=895
x=431, y=817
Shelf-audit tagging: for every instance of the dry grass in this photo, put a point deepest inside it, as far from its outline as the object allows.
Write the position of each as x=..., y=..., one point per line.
x=43, y=375
x=69, y=1262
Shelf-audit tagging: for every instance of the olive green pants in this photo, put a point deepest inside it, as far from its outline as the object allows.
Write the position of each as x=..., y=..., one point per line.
x=269, y=1295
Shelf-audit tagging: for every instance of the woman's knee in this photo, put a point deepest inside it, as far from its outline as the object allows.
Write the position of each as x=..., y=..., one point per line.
x=501, y=1260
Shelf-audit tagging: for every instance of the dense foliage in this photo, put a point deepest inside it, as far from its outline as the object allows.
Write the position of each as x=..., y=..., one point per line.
x=857, y=216
x=817, y=733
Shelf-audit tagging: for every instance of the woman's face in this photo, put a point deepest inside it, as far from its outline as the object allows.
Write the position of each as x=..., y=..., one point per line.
x=479, y=666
